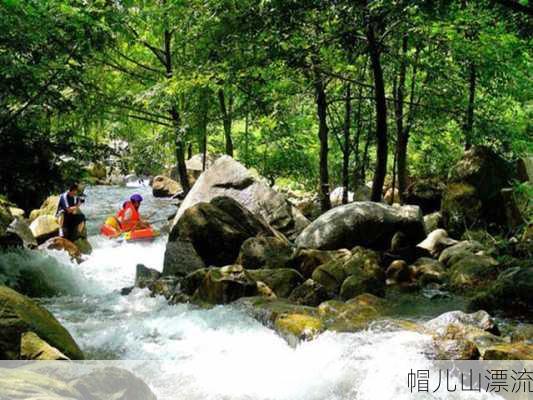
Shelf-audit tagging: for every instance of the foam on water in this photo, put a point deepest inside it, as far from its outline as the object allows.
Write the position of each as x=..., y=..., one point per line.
x=220, y=353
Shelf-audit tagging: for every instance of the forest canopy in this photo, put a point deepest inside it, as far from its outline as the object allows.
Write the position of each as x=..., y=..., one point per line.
x=312, y=94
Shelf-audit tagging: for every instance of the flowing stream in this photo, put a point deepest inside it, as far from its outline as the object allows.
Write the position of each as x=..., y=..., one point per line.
x=220, y=353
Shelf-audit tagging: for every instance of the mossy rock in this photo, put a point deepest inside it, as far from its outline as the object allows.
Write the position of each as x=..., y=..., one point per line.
x=224, y=285
x=282, y=280
x=32, y=347
x=19, y=314
x=350, y=316
x=298, y=326
x=509, y=351
x=49, y=207
x=330, y=275
x=461, y=208
x=473, y=272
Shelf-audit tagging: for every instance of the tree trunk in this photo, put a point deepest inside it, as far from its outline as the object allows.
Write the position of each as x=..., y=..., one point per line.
x=365, y=161
x=226, y=119
x=381, y=114
x=400, y=156
x=176, y=119
x=204, y=105
x=321, y=105
x=347, y=146
x=469, y=123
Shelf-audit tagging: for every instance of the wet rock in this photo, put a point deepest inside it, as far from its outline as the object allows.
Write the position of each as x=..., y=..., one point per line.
x=511, y=292
x=307, y=260
x=264, y=252
x=473, y=272
x=309, y=293
x=145, y=276
x=163, y=186
x=44, y=228
x=227, y=177
x=281, y=280
x=181, y=258
x=363, y=270
x=297, y=327
x=62, y=244
x=480, y=320
x=427, y=271
x=164, y=286
x=352, y=316
x=509, y=351
x=224, y=285
x=32, y=347
x=190, y=283
x=19, y=314
x=264, y=290
x=449, y=349
x=218, y=229
x=366, y=224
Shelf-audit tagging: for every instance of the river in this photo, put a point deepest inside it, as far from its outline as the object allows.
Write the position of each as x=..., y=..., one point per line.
x=220, y=353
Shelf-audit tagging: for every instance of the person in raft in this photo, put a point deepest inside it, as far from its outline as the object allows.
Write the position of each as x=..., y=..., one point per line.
x=71, y=220
x=129, y=217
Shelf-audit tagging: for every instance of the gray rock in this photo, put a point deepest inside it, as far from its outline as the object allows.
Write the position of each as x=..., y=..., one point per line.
x=145, y=276
x=227, y=177
x=366, y=224
x=218, y=229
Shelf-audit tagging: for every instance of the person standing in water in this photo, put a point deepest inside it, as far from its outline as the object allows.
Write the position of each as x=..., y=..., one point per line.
x=71, y=220
x=129, y=217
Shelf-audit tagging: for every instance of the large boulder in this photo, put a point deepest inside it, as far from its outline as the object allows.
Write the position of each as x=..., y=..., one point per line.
x=218, y=229
x=224, y=285
x=365, y=224
x=49, y=207
x=19, y=314
x=181, y=258
x=227, y=177
x=163, y=186
x=281, y=280
x=473, y=195
x=44, y=228
x=264, y=252
x=511, y=293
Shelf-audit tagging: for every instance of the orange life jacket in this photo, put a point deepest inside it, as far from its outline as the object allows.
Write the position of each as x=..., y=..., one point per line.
x=128, y=224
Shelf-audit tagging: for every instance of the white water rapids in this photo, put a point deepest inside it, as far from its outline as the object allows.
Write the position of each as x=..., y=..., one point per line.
x=220, y=353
